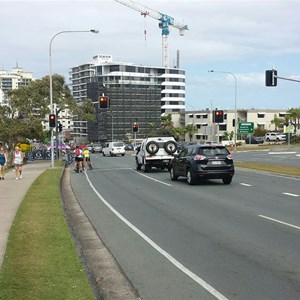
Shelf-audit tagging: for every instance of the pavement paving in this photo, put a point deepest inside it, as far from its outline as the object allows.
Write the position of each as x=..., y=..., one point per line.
x=12, y=192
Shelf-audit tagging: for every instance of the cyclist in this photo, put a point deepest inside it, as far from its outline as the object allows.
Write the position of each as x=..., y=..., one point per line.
x=87, y=159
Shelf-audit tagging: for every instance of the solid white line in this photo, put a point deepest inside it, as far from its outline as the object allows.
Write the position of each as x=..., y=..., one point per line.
x=289, y=194
x=282, y=153
x=245, y=184
x=291, y=225
x=169, y=257
x=152, y=178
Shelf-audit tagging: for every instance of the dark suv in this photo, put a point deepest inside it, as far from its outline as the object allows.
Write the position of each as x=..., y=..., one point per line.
x=203, y=162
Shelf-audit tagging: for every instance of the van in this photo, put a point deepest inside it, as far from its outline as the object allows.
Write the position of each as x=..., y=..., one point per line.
x=113, y=149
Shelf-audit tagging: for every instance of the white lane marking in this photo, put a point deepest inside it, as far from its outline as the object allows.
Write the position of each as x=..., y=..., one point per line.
x=289, y=194
x=245, y=184
x=282, y=152
x=169, y=257
x=152, y=178
x=278, y=221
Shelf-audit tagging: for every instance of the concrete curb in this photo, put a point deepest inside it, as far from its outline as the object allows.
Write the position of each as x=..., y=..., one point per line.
x=107, y=278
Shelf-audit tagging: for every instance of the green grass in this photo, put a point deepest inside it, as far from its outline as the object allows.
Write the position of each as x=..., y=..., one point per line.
x=293, y=171
x=41, y=260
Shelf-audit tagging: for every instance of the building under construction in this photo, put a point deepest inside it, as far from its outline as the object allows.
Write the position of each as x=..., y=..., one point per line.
x=137, y=94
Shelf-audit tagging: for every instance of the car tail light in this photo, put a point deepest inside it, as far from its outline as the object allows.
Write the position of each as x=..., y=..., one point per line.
x=199, y=157
x=229, y=156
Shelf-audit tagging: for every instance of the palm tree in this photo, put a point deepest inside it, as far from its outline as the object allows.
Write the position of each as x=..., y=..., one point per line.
x=278, y=122
x=190, y=129
x=294, y=115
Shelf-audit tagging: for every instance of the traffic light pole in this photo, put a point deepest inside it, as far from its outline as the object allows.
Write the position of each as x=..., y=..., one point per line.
x=284, y=78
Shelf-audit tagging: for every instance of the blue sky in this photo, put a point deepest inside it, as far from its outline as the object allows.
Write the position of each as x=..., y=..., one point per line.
x=242, y=37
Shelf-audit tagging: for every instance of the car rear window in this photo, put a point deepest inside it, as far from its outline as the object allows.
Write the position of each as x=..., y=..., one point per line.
x=118, y=144
x=212, y=151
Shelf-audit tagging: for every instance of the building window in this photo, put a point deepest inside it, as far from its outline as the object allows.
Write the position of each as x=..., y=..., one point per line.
x=260, y=115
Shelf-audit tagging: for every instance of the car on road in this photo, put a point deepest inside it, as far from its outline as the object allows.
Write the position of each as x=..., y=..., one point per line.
x=203, y=161
x=114, y=149
x=275, y=137
x=254, y=140
x=155, y=152
x=97, y=148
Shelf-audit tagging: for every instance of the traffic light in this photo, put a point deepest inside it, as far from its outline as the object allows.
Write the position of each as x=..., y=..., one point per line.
x=135, y=127
x=218, y=116
x=59, y=127
x=103, y=102
x=52, y=121
x=271, y=78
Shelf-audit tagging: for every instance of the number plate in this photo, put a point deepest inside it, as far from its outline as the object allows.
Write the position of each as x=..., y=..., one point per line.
x=216, y=162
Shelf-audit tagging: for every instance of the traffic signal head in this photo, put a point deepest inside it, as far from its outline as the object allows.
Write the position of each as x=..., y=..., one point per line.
x=59, y=127
x=271, y=78
x=135, y=128
x=103, y=102
x=218, y=116
x=52, y=121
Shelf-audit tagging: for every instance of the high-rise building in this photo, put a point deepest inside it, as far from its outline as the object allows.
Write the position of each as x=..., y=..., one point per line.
x=136, y=93
x=13, y=80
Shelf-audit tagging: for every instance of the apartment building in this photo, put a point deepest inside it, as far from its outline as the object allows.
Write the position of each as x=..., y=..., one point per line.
x=207, y=130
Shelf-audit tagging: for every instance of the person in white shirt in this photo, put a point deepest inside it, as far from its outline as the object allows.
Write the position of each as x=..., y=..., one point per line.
x=18, y=162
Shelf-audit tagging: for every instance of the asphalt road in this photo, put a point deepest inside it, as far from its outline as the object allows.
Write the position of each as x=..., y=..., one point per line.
x=208, y=241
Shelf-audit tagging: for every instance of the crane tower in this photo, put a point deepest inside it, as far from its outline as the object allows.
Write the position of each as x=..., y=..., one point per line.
x=165, y=22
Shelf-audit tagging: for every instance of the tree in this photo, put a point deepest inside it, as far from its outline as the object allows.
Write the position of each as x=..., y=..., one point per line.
x=177, y=132
x=29, y=105
x=294, y=115
x=278, y=122
x=190, y=129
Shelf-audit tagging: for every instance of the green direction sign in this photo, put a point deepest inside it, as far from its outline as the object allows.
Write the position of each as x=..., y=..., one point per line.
x=246, y=127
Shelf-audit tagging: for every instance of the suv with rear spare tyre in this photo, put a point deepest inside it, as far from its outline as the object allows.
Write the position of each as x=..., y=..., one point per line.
x=155, y=152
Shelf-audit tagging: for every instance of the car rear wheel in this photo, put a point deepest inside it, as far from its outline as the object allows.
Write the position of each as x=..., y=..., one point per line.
x=172, y=174
x=227, y=180
x=190, y=177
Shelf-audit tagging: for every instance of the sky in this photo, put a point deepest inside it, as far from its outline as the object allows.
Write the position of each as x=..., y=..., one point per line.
x=240, y=38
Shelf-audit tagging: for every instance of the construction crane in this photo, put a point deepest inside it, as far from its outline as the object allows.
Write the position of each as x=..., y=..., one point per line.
x=165, y=22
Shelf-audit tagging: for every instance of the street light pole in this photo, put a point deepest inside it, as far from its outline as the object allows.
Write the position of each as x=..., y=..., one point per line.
x=51, y=84
x=235, y=100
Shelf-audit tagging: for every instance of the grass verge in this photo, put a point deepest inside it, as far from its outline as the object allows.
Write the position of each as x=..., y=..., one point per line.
x=286, y=170
x=41, y=260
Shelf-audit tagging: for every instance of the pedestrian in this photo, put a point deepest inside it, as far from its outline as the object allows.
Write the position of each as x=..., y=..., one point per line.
x=3, y=162
x=18, y=162
x=78, y=159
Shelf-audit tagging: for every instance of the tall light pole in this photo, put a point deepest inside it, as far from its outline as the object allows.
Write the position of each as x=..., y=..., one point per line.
x=235, y=96
x=51, y=85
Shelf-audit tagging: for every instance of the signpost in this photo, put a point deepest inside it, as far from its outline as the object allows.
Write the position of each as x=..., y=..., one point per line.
x=246, y=127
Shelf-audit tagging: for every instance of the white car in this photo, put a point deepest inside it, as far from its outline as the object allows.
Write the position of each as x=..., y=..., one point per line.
x=155, y=152
x=275, y=137
x=114, y=149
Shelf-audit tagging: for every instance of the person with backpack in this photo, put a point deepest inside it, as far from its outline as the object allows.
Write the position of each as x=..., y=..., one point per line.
x=78, y=159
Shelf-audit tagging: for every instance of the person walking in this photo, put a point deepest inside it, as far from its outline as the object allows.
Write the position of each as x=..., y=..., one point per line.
x=18, y=158
x=3, y=162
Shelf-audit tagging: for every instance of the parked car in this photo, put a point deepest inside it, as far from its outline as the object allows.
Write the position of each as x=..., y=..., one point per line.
x=204, y=161
x=114, y=149
x=254, y=140
x=275, y=137
x=155, y=152
x=128, y=147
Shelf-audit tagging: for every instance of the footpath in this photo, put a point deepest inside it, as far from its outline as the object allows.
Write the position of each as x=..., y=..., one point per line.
x=12, y=192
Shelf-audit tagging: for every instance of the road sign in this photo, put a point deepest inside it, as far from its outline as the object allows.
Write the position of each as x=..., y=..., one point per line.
x=246, y=127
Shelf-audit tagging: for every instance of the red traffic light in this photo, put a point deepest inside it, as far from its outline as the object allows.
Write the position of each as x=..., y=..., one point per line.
x=135, y=128
x=52, y=122
x=218, y=116
x=103, y=101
